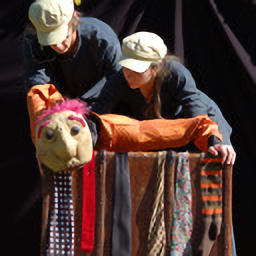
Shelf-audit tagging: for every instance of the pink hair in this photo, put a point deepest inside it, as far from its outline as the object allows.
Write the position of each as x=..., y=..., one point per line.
x=74, y=105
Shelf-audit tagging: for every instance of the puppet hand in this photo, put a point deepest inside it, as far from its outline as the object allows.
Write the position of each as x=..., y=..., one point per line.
x=227, y=152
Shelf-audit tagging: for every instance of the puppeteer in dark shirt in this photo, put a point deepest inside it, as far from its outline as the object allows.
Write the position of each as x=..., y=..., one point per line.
x=179, y=95
x=81, y=74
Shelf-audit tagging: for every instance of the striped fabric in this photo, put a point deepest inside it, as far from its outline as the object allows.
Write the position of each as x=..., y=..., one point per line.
x=211, y=195
x=211, y=187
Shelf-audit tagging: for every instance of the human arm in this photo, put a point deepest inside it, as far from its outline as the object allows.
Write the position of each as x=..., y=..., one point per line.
x=111, y=54
x=35, y=63
x=103, y=44
x=106, y=55
x=111, y=57
x=104, y=51
x=194, y=102
x=37, y=79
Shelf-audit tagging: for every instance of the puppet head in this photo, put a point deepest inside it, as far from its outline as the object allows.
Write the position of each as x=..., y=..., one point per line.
x=63, y=138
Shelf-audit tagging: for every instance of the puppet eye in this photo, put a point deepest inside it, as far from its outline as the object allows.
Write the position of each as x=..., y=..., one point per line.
x=49, y=134
x=75, y=130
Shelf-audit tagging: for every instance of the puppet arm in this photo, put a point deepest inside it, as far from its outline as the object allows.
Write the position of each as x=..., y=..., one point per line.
x=123, y=134
x=38, y=98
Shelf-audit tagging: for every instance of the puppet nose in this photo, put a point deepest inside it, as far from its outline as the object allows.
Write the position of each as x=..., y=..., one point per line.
x=66, y=146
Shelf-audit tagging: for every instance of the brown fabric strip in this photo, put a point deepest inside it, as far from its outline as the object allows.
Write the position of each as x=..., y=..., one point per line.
x=227, y=216
x=100, y=178
x=156, y=237
x=169, y=197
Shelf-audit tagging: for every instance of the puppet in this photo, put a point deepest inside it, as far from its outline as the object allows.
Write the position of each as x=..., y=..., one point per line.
x=66, y=134
x=64, y=140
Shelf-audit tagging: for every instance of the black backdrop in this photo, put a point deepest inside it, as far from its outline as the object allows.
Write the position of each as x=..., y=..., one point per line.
x=216, y=40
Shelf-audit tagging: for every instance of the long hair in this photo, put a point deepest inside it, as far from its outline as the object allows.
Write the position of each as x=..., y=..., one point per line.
x=163, y=70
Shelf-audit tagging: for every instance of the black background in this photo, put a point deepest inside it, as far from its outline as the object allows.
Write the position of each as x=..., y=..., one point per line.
x=222, y=65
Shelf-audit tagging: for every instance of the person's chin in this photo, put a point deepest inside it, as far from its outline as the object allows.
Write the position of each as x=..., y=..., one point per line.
x=134, y=86
x=63, y=51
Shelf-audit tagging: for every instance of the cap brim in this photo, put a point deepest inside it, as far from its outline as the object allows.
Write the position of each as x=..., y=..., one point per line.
x=139, y=66
x=54, y=37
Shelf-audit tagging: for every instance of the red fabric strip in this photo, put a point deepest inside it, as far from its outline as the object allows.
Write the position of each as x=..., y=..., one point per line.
x=88, y=222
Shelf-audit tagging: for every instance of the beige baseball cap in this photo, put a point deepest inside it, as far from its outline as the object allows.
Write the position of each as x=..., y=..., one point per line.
x=141, y=49
x=51, y=18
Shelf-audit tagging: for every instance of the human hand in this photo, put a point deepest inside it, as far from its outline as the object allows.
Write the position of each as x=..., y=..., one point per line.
x=227, y=152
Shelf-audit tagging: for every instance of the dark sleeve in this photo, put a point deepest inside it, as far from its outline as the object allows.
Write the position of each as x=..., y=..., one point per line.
x=186, y=92
x=106, y=45
x=35, y=72
x=213, y=140
x=194, y=102
x=114, y=91
x=94, y=127
x=111, y=57
x=107, y=56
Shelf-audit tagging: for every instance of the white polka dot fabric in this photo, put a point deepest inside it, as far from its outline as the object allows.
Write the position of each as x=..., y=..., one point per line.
x=61, y=217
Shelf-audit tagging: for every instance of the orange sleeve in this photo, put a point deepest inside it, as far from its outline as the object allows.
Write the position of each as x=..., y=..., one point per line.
x=38, y=98
x=123, y=134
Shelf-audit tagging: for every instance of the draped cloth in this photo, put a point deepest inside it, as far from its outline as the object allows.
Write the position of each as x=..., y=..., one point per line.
x=180, y=204
x=156, y=178
x=121, y=236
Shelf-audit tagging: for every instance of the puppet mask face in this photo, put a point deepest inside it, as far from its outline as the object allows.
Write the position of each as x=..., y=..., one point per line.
x=63, y=141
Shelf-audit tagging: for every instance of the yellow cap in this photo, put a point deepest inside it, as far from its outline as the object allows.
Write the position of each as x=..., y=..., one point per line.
x=141, y=49
x=51, y=18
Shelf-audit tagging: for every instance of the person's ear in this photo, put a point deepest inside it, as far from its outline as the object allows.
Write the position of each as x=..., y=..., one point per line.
x=153, y=70
x=156, y=68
